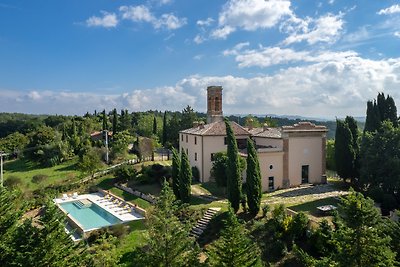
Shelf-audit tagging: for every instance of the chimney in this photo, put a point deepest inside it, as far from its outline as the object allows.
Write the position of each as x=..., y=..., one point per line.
x=195, y=124
x=214, y=104
x=201, y=124
x=265, y=126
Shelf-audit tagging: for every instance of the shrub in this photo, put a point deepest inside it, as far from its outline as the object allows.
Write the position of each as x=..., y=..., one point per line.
x=125, y=173
x=265, y=209
x=12, y=182
x=39, y=178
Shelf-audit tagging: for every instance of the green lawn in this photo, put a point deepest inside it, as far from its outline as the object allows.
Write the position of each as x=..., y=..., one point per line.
x=213, y=189
x=25, y=170
x=311, y=207
x=107, y=183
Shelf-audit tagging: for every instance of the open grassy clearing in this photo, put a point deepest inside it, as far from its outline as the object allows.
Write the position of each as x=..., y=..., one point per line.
x=26, y=170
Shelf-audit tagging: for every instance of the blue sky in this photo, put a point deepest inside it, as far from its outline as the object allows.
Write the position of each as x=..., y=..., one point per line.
x=312, y=58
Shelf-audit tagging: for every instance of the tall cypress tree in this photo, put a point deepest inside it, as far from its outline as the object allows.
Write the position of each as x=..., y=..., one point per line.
x=164, y=130
x=155, y=125
x=185, y=178
x=344, y=153
x=234, y=182
x=391, y=111
x=381, y=104
x=253, y=179
x=115, y=122
x=104, y=120
x=176, y=166
x=352, y=124
x=234, y=247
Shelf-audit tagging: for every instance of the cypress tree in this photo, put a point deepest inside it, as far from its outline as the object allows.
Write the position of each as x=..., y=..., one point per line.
x=344, y=153
x=155, y=125
x=381, y=104
x=114, y=122
x=368, y=127
x=253, y=179
x=164, y=131
x=234, y=247
x=391, y=111
x=104, y=120
x=234, y=179
x=352, y=124
x=176, y=166
x=185, y=178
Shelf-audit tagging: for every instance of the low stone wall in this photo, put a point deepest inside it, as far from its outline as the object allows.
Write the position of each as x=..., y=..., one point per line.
x=146, y=197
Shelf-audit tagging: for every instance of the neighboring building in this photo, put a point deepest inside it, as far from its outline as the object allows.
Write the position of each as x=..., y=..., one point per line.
x=288, y=156
x=96, y=136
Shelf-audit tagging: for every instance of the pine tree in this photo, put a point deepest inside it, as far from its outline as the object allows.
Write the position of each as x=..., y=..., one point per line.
x=164, y=130
x=234, y=182
x=168, y=241
x=234, y=248
x=185, y=178
x=344, y=153
x=360, y=239
x=155, y=125
x=253, y=179
x=176, y=166
x=115, y=122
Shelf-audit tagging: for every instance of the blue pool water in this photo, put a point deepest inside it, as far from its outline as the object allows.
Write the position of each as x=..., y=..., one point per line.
x=90, y=217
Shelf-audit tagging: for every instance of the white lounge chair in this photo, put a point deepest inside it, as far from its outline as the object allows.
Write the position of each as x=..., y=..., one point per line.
x=75, y=195
x=64, y=197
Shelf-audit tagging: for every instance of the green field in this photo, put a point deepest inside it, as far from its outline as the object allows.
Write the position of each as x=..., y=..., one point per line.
x=26, y=170
x=311, y=207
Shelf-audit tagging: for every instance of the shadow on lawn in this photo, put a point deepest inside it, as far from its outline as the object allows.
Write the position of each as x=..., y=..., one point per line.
x=309, y=190
x=20, y=165
x=311, y=207
x=72, y=167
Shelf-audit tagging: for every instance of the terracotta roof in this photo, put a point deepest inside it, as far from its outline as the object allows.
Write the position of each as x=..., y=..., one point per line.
x=269, y=132
x=304, y=126
x=216, y=128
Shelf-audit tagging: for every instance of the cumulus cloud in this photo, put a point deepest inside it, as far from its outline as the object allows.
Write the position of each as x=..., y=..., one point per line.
x=250, y=15
x=205, y=23
x=198, y=39
x=390, y=10
x=108, y=20
x=334, y=85
x=327, y=28
x=142, y=13
x=269, y=56
x=397, y=34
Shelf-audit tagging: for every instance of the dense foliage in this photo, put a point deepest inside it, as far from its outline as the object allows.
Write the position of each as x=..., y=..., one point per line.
x=185, y=178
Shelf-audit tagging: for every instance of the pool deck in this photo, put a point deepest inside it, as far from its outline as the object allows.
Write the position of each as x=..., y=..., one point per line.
x=106, y=204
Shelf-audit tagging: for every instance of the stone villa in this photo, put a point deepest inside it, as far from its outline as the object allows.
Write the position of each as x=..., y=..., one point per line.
x=288, y=155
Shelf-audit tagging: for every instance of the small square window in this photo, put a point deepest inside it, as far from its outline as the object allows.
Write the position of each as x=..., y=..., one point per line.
x=182, y=137
x=186, y=138
x=187, y=152
x=195, y=140
x=225, y=141
x=195, y=156
x=271, y=167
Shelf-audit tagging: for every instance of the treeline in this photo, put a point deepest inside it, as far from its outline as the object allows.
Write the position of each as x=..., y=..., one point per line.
x=370, y=160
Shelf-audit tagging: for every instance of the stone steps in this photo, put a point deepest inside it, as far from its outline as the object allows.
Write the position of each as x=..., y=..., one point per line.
x=202, y=224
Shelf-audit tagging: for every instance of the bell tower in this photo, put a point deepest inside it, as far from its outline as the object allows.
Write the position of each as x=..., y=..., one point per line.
x=214, y=104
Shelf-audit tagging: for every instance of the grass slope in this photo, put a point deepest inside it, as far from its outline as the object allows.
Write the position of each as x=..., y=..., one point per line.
x=26, y=170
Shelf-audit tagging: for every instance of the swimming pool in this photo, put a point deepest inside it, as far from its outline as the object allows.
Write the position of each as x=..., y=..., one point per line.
x=89, y=216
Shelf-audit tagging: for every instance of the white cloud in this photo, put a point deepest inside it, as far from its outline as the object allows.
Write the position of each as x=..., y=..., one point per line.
x=137, y=13
x=198, y=57
x=269, y=56
x=326, y=28
x=331, y=2
x=250, y=15
x=108, y=20
x=335, y=86
x=170, y=22
x=390, y=10
x=143, y=14
x=223, y=32
x=397, y=34
x=205, y=23
x=198, y=39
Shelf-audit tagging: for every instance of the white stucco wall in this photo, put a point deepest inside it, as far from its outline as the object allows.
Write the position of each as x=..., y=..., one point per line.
x=305, y=151
x=276, y=160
